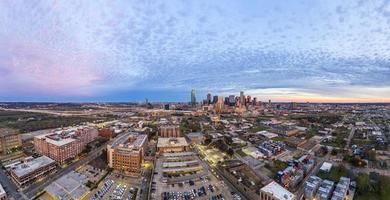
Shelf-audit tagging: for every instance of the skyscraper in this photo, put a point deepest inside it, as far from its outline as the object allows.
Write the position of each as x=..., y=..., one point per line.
x=193, y=98
x=208, y=98
x=242, y=98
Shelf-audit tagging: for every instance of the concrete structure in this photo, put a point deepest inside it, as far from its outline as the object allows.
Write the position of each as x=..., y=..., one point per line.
x=126, y=153
x=65, y=144
x=168, y=131
x=274, y=191
x=171, y=145
x=69, y=186
x=31, y=170
x=3, y=194
x=9, y=139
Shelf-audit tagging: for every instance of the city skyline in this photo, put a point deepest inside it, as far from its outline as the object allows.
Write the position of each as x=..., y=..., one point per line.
x=97, y=51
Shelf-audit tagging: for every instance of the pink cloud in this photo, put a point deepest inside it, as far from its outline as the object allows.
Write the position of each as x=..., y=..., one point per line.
x=33, y=68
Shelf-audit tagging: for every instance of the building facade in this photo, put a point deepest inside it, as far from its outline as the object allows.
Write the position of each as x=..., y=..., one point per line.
x=32, y=169
x=9, y=139
x=167, y=131
x=126, y=153
x=64, y=144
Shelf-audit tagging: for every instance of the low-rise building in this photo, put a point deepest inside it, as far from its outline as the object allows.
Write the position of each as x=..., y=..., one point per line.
x=9, y=139
x=325, y=189
x=69, y=186
x=342, y=189
x=311, y=186
x=32, y=169
x=171, y=145
x=274, y=191
x=126, y=153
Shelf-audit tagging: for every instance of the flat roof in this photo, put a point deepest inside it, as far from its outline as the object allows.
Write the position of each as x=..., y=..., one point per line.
x=7, y=132
x=69, y=186
x=183, y=169
x=179, y=154
x=172, y=142
x=59, y=142
x=179, y=164
x=278, y=191
x=267, y=134
x=28, y=167
x=326, y=166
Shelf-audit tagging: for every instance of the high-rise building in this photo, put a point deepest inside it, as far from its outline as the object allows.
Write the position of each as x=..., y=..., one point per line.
x=215, y=99
x=242, y=98
x=226, y=101
x=193, y=97
x=208, y=99
x=232, y=100
x=254, y=102
x=248, y=99
x=219, y=105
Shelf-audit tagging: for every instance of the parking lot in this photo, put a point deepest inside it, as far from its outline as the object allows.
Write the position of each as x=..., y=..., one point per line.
x=204, y=188
x=116, y=187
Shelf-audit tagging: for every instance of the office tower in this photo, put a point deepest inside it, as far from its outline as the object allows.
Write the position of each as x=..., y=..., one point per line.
x=254, y=102
x=242, y=98
x=219, y=105
x=226, y=101
x=248, y=99
x=193, y=98
x=215, y=99
x=208, y=98
x=232, y=100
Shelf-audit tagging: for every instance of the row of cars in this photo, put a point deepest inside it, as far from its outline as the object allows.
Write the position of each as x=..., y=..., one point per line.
x=192, y=194
x=118, y=192
x=100, y=193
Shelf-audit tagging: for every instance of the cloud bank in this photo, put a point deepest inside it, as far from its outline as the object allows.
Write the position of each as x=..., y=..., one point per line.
x=94, y=50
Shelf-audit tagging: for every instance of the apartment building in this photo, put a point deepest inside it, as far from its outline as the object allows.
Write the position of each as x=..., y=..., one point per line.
x=126, y=153
x=65, y=144
x=9, y=139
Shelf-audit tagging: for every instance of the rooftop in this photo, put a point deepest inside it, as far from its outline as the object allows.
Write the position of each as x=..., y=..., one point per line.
x=278, y=191
x=30, y=166
x=7, y=132
x=172, y=142
x=69, y=186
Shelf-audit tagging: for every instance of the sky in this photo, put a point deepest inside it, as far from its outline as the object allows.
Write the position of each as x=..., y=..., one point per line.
x=286, y=50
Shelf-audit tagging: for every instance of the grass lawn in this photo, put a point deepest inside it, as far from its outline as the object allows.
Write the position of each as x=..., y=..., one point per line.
x=334, y=174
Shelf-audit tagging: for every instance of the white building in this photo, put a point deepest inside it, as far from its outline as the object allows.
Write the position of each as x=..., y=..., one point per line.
x=274, y=191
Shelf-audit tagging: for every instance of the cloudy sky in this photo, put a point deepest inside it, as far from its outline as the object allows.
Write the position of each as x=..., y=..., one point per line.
x=301, y=50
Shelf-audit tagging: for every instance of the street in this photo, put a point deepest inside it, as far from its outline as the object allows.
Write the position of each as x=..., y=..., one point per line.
x=37, y=187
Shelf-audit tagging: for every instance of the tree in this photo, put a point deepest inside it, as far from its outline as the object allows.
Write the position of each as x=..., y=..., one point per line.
x=363, y=183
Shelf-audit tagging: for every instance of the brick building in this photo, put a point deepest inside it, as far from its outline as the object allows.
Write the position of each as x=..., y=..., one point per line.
x=64, y=144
